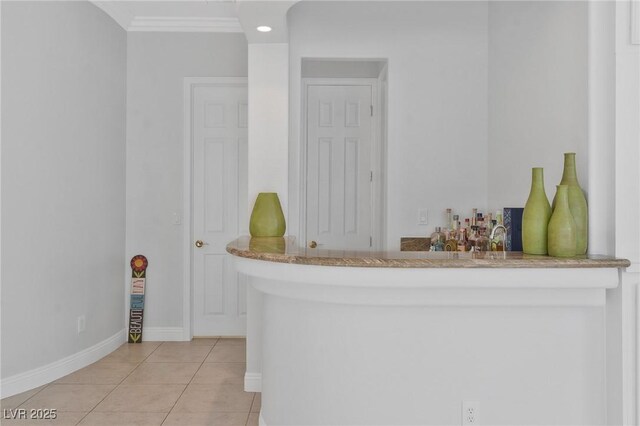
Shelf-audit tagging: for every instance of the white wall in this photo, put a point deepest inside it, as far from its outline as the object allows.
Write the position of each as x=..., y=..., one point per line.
x=623, y=378
x=601, y=126
x=437, y=116
x=627, y=145
x=478, y=94
x=537, y=96
x=63, y=181
x=268, y=122
x=156, y=66
x=312, y=68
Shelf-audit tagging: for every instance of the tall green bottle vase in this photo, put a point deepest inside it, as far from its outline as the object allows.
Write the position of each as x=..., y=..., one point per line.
x=535, y=217
x=577, y=202
x=562, y=226
x=267, y=219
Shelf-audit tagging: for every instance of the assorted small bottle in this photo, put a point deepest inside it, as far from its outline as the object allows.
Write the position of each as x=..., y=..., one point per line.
x=479, y=233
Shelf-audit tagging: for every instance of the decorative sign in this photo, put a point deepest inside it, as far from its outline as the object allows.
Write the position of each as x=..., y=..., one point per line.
x=139, y=265
x=137, y=285
x=135, y=325
x=137, y=301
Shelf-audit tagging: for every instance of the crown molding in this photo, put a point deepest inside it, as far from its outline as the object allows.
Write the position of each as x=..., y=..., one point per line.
x=185, y=24
x=131, y=22
x=117, y=13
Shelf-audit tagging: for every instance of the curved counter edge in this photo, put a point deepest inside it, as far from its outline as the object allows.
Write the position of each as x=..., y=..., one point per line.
x=285, y=250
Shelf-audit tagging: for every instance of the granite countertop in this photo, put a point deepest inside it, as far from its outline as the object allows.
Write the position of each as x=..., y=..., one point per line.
x=286, y=250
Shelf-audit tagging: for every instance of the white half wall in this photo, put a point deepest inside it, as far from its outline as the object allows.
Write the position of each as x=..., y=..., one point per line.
x=269, y=122
x=157, y=66
x=63, y=184
x=407, y=346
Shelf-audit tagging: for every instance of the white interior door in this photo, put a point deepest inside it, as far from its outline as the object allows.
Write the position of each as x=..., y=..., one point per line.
x=219, y=206
x=339, y=139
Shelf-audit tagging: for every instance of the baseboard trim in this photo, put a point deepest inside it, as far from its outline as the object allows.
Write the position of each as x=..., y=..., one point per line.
x=253, y=382
x=48, y=373
x=163, y=334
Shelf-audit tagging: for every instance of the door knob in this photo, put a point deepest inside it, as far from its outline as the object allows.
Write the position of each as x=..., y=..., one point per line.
x=313, y=244
x=200, y=243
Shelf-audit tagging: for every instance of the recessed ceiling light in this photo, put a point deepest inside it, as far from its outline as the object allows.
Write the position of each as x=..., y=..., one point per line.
x=263, y=28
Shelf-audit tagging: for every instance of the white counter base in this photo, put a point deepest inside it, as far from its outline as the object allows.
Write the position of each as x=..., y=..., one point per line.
x=338, y=345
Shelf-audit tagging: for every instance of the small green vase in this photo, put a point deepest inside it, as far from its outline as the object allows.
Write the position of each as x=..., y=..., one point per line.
x=535, y=217
x=562, y=226
x=577, y=202
x=267, y=219
x=268, y=245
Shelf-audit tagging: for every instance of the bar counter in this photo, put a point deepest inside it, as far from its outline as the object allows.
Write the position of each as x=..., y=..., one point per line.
x=286, y=250
x=338, y=337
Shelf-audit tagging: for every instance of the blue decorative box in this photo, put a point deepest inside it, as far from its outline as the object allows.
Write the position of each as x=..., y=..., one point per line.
x=512, y=218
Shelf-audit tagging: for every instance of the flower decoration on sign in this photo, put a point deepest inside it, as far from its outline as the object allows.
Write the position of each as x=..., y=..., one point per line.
x=139, y=264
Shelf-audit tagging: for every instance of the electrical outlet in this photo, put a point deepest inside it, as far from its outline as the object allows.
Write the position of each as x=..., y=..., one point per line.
x=470, y=413
x=423, y=217
x=82, y=323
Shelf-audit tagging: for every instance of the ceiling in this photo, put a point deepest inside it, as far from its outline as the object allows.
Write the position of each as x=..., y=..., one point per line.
x=242, y=16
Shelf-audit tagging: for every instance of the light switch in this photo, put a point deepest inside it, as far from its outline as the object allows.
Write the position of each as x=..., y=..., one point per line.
x=423, y=216
x=177, y=219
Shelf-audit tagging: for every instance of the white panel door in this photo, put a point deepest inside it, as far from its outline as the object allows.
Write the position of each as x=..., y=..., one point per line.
x=339, y=132
x=219, y=120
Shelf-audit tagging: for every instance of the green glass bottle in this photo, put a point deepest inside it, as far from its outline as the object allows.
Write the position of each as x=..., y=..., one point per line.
x=577, y=202
x=267, y=219
x=535, y=217
x=562, y=226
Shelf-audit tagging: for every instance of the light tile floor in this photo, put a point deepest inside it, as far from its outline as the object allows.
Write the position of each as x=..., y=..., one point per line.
x=151, y=383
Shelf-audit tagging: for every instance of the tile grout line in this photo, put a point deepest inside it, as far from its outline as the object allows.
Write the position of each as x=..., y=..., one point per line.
x=250, y=409
x=121, y=381
x=54, y=382
x=27, y=400
x=138, y=364
x=191, y=380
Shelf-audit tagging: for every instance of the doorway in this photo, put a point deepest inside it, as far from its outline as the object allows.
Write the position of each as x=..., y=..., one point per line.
x=216, y=206
x=342, y=162
x=339, y=175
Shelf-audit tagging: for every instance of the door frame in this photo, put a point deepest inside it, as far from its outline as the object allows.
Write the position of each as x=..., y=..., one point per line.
x=190, y=83
x=377, y=216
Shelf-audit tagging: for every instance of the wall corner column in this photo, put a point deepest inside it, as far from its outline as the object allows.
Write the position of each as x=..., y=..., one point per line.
x=623, y=341
x=601, y=126
x=268, y=82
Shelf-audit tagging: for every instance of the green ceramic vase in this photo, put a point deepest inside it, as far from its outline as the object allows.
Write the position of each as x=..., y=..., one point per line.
x=562, y=226
x=535, y=217
x=268, y=245
x=267, y=219
x=577, y=202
